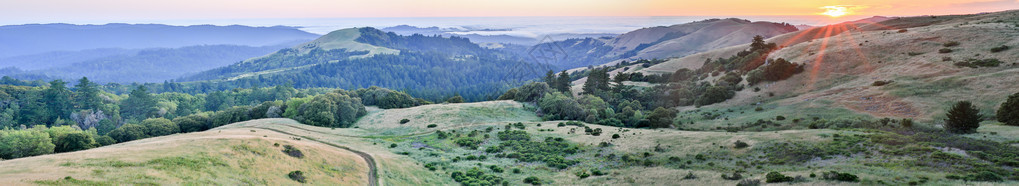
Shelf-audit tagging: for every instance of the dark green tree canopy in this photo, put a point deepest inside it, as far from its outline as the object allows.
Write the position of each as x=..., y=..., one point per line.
x=1008, y=113
x=963, y=118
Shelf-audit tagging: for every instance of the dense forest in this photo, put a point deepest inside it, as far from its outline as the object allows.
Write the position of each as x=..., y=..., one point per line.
x=429, y=67
x=39, y=119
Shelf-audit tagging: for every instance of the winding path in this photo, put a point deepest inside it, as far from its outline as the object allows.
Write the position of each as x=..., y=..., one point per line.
x=373, y=179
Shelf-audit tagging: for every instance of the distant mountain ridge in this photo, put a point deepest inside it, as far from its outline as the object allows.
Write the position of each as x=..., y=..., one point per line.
x=18, y=40
x=469, y=33
x=666, y=41
x=143, y=65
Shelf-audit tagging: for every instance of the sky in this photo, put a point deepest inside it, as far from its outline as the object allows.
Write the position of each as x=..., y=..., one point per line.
x=72, y=11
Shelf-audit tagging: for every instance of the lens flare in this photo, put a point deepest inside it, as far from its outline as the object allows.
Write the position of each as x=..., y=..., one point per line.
x=835, y=11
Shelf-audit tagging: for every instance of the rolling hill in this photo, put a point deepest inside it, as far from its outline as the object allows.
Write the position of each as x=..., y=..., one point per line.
x=431, y=67
x=665, y=41
x=921, y=62
x=232, y=155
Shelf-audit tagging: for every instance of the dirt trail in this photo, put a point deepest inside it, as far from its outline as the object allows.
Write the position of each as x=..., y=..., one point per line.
x=373, y=179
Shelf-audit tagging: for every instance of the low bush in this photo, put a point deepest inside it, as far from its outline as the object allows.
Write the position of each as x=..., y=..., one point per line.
x=776, y=177
x=532, y=180
x=475, y=176
x=974, y=63
x=740, y=144
x=945, y=50
x=293, y=152
x=999, y=49
x=950, y=44
x=840, y=176
x=297, y=176
x=404, y=121
x=749, y=182
x=734, y=176
x=432, y=125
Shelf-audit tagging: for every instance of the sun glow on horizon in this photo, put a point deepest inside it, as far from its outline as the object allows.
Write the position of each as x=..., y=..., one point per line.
x=835, y=11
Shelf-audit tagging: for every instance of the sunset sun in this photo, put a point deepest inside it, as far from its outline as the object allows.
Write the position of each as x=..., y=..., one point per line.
x=835, y=11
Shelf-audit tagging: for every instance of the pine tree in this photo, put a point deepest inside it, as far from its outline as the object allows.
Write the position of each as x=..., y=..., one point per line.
x=758, y=43
x=58, y=100
x=1008, y=113
x=550, y=77
x=86, y=95
x=563, y=83
x=139, y=105
x=963, y=118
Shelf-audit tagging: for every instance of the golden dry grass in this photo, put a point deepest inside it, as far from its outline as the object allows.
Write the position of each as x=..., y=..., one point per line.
x=841, y=67
x=224, y=156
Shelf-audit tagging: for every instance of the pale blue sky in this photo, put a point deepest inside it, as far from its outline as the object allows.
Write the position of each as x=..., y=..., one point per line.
x=48, y=11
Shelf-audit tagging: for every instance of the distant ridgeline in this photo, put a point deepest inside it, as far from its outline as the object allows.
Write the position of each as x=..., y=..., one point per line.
x=430, y=67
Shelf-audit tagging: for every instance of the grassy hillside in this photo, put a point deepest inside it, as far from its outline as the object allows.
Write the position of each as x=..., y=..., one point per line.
x=844, y=61
x=230, y=156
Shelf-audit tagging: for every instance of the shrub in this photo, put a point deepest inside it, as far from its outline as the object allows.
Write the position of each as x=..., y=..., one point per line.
x=495, y=168
x=740, y=144
x=881, y=83
x=984, y=176
x=74, y=141
x=749, y=182
x=1008, y=112
x=950, y=44
x=516, y=171
x=690, y=176
x=615, y=136
x=392, y=145
x=128, y=132
x=468, y=142
x=906, y=123
x=903, y=31
x=404, y=121
x=779, y=118
x=532, y=180
x=776, y=177
x=661, y=117
x=945, y=50
x=999, y=49
x=974, y=63
x=839, y=176
x=292, y=152
x=192, y=123
x=297, y=176
x=963, y=118
x=24, y=143
x=582, y=174
x=159, y=127
x=432, y=125
x=734, y=176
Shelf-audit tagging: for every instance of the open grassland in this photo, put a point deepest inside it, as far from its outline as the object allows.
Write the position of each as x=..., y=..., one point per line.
x=443, y=116
x=239, y=156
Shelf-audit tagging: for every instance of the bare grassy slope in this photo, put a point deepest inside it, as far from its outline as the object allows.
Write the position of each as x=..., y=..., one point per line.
x=844, y=60
x=232, y=156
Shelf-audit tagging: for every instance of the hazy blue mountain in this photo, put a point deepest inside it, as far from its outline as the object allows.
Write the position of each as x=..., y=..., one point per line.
x=61, y=58
x=148, y=65
x=473, y=35
x=18, y=40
